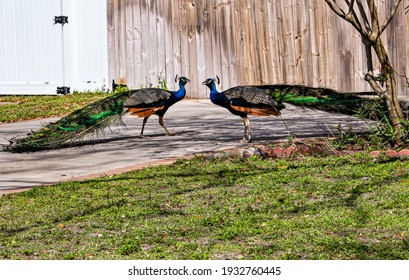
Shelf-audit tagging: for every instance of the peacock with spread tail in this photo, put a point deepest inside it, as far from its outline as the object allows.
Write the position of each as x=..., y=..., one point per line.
x=267, y=100
x=101, y=114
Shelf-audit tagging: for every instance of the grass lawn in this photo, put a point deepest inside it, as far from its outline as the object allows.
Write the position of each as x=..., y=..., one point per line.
x=334, y=207
x=19, y=108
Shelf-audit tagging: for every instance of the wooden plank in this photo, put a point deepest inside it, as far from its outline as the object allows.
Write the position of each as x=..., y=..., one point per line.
x=297, y=38
x=207, y=23
x=145, y=44
x=121, y=33
x=129, y=42
x=160, y=43
x=306, y=53
x=332, y=22
x=268, y=76
x=259, y=14
x=201, y=91
x=243, y=41
x=184, y=38
x=168, y=42
x=315, y=38
x=224, y=31
x=111, y=39
x=274, y=43
x=191, y=57
x=253, y=62
x=231, y=45
x=216, y=46
x=176, y=39
x=153, y=45
x=137, y=47
x=396, y=45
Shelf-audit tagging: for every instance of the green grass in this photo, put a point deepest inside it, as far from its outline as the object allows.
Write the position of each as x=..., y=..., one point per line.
x=19, y=108
x=338, y=207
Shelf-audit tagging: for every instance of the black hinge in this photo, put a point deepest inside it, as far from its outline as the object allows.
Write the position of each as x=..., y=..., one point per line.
x=60, y=20
x=63, y=90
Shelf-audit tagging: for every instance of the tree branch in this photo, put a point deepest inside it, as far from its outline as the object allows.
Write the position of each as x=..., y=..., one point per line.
x=374, y=35
x=334, y=6
x=364, y=16
x=391, y=15
x=350, y=6
x=374, y=85
x=351, y=13
x=349, y=17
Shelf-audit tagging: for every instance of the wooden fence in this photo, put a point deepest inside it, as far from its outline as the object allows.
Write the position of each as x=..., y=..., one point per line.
x=244, y=42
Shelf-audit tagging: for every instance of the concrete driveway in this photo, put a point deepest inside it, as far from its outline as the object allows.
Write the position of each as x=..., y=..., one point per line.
x=201, y=127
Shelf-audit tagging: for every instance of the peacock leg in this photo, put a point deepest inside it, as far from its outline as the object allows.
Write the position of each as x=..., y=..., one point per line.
x=145, y=119
x=164, y=127
x=247, y=132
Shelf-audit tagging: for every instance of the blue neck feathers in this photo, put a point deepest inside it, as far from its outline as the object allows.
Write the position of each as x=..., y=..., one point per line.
x=180, y=94
x=216, y=97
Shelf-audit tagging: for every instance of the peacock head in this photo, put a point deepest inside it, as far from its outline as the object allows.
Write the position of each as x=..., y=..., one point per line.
x=182, y=80
x=211, y=82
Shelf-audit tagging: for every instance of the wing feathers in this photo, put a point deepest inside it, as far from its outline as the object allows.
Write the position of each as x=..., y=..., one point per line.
x=144, y=112
x=147, y=96
x=257, y=111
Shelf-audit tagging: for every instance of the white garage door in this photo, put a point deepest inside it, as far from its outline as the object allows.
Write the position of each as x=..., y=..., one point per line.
x=39, y=56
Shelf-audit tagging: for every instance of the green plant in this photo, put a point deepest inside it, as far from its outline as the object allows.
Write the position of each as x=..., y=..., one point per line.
x=346, y=137
x=381, y=132
x=162, y=81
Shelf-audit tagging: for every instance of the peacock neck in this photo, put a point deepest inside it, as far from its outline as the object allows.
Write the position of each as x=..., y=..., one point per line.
x=213, y=90
x=180, y=94
x=217, y=97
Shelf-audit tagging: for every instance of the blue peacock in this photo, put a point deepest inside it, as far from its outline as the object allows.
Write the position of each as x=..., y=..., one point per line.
x=267, y=100
x=244, y=100
x=101, y=114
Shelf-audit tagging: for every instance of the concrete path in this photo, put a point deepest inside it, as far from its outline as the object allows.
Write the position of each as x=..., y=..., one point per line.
x=200, y=126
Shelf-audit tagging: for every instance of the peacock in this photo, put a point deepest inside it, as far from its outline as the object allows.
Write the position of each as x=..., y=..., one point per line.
x=101, y=114
x=244, y=100
x=266, y=100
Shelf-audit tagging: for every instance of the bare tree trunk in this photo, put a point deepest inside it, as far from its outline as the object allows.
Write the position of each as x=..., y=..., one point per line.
x=389, y=95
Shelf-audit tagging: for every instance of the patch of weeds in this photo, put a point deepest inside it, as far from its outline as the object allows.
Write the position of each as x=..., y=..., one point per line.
x=347, y=138
x=129, y=247
x=69, y=256
x=381, y=132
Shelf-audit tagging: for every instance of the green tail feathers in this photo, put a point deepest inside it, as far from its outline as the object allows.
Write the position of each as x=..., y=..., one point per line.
x=90, y=119
x=320, y=98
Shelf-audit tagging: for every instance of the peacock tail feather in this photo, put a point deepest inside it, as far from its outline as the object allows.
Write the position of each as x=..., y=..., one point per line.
x=318, y=98
x=90, y=119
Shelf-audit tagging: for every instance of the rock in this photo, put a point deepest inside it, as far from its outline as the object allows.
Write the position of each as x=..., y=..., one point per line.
x=236, y=153
x=290, y=151
x=404, y=153
x=278, y=152
x=391, y=153
x=247, y=153
x=375, y=154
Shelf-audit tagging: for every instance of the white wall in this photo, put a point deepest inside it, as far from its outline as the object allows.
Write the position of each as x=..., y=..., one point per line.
x=37, y=56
